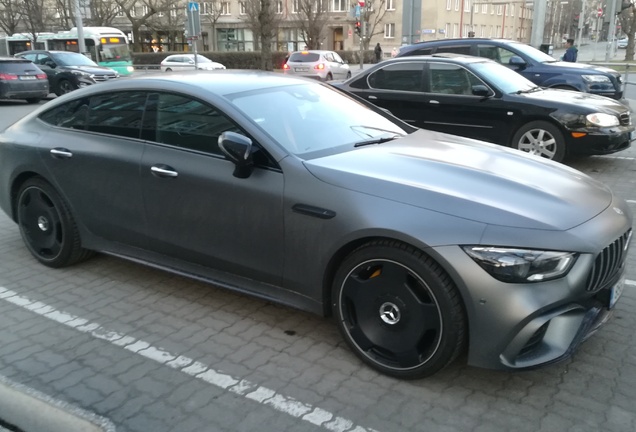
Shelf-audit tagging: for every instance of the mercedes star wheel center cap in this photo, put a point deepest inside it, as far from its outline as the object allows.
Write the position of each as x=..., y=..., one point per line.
x=390, y=313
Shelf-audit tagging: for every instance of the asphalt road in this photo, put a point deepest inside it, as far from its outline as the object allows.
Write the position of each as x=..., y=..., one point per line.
x=151, y=351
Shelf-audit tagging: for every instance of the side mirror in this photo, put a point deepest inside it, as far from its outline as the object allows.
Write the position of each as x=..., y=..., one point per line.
x=517, y=61
x=480, y=90
x=237, y=148
x=50, y=63
x=191, y=61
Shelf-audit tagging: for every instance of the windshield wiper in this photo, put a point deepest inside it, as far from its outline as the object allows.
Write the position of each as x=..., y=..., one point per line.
x=530, y=90
x=377, y=140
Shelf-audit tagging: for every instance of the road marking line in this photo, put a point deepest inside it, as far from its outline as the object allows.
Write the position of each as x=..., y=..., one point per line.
x=614, y=157
x=631, y=201
x=263, y=395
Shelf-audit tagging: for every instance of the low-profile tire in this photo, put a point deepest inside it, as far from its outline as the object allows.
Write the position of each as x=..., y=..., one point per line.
x=65, y=86
x=168, y=70
x=33, y=100
x=540, y=138
x=398, y=310
x=47, y=226
x=329, y=77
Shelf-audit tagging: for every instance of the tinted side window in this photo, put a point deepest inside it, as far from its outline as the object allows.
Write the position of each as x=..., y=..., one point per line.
x=31, y=57
x=421, y=51
x=400, y=76
x=191, y=124
x=118, y=114
x=498, y=54
x=458, y=49
x=71, y=115
x=450, y=79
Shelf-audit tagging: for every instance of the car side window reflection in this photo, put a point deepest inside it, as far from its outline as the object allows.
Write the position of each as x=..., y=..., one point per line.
x=188, y=123
x=448, y=78
x=72, y=115
x=398, y=76
x=117, y=114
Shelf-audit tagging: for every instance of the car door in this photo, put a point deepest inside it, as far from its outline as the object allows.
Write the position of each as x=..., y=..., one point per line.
x=453, y=108
x=343, y=68
x=93, y=155
x=197, y=210
x=398, y=88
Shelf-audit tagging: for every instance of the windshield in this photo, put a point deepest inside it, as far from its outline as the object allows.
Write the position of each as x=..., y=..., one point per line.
x=73, y=59
x=506, y=80
x=115, y=52
x=532, y=52
x=201, y=59
x=310, y=117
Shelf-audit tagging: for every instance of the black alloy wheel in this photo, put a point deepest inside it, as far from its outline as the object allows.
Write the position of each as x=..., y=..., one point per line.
x=65, y=86
x=398, y=310
x=46, y=225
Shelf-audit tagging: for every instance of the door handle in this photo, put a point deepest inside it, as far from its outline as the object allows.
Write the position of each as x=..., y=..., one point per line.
x=163, y=171
x=373, y=97
x=61, y=153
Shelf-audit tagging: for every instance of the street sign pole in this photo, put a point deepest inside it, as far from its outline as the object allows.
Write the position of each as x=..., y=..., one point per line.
x=194, y=28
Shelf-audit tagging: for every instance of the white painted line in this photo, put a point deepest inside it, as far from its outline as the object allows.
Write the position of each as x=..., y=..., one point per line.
x=631, y=201
x=630, y=282
x=614, y=157
x=263, y=395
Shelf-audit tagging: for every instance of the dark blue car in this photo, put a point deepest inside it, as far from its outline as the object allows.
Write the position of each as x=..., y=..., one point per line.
x=535, y=65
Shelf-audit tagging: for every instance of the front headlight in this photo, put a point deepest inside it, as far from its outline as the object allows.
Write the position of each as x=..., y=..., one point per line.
x=130, y=68
x=602, y=120
x=596, y=79
x=83, y=74
x=521, y=265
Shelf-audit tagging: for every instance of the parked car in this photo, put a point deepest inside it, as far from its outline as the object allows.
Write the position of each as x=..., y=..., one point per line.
x=319, y=64
x=535, y=65
x=68, y=71
x=479, y=98
x=622, y=43
x=419, y=242
x=183, y=62
x=21, y=79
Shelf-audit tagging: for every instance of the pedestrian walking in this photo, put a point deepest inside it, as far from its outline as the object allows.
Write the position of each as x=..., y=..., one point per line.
x=571, y=52
x=378, y=52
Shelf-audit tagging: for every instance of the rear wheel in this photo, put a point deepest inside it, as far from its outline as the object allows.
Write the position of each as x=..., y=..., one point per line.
x=540, y=138
x=47, y=226
x=33, y=100
x=348, y=74
x=329, y=77
x=398, y=310
x=65, y=86
x=168, y=70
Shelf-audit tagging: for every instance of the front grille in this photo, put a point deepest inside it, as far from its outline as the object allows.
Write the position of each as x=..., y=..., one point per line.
x=625, y=119
x=104, y=77
x=608, y=263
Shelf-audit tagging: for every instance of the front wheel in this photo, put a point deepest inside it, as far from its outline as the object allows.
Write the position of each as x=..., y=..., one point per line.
x=47, y=226
x=540, y=138
x=348, y=74
x=33, y=100
x=398, y=310
x=65, y=86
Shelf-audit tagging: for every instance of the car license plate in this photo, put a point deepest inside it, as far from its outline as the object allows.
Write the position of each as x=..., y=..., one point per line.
x=27, y=77
x=301, y=69
x=616, y=291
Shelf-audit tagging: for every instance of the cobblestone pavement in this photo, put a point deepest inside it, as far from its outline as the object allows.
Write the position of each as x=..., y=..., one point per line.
x=156, y=352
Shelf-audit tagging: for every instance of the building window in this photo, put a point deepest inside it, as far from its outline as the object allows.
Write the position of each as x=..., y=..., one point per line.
x=120, y=12
x=205, y=8
x=173, y=11
x=389, y=31
x=455, y=30
x=512, y=10
x=339, y=5
x=390, y=5
x=449, y=4
x=279, y=7
x=225, y=8
x=144, y=9
x=295, y=6
x=499, y=9
x=242, y=10
x=456, y=5
x=447, y=30
x=466, y=5
x=484, y=8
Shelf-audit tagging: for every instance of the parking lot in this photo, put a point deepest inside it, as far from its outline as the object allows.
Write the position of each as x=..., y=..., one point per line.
x=151, y=351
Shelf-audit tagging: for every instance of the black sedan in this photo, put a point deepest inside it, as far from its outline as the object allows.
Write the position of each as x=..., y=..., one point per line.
x=68, y=71
x=420, y=243
x=481, y=99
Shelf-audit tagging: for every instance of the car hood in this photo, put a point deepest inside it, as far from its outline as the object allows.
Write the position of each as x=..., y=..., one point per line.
x=581, y=101
x=468, y=179
x=579, y=67
x=97, y=70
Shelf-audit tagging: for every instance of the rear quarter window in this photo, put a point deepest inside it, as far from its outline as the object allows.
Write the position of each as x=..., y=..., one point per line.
x=457, y=49
x=19, y=67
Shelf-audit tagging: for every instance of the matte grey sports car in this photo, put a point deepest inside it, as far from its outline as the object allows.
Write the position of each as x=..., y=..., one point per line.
x=421, y=244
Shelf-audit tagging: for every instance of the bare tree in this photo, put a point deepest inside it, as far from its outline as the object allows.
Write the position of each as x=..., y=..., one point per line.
x=170, y=24
x=148, y=8
x=263, y=20
x=65, y=14
x=10, y=15
x=102, y=13
x=373, y=14
x=627, y=17
x=210, y=18
x=35, y=17
x=312, y=19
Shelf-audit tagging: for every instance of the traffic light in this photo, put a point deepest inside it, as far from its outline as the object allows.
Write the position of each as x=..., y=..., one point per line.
x=358, y=28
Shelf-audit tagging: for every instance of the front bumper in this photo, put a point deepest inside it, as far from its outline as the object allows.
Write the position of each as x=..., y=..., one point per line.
x=601, y=141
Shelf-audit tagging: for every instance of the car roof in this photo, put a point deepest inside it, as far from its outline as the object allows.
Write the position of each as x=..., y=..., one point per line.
x=453, y=57
x=14, y=60
x=222, y=82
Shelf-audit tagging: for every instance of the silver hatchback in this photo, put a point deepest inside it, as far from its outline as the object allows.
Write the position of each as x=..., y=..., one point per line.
x=323, y=65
